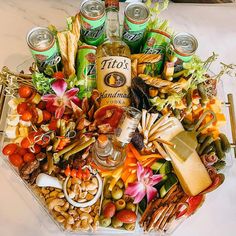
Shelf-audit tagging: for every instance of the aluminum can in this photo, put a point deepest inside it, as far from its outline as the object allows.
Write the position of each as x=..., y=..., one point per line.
x=86, y=70
x=44, y=48
x=156, y=43
x=93, y=17
x=181, y=49
x=135, y=23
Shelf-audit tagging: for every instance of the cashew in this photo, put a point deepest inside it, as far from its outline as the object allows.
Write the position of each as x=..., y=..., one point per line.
x=71, y=194
x=70, y=220
x=68, y=227
x=91, y=186
x=55, y=202
x=71, y=207
x=89, y=197
x=82, y=195
x=61, y=195
x=84, y=225
x=47, y=196
x=76, y=225
x=73, y=212
x=86, y=216
x=44, y=191
x=60, y=219
x=93, y=192
x=53, y=193
x=66, y=206
x=85, y=209
x=95, y=180
x=48, y=200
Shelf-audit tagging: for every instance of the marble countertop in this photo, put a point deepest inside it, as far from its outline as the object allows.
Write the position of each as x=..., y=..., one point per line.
x=213, y=26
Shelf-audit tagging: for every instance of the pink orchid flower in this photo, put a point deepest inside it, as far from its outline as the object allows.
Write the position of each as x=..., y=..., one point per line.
x=144, y=185
x=62, y=98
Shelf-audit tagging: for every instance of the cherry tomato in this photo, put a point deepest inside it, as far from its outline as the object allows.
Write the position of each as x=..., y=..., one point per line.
x=67, y=171
x=21, y=151
x=26, y=116
x=36, y=149
x=16, y=160
x=26, y=142
x=28, y=157
x=53, y=125
x=86, y=174
x=22, y=107
x=58, y=75
x=25, y=91
x=73, y=173
x=9, y=149
x=41, y=105
x=46, y=115
x=79, y=173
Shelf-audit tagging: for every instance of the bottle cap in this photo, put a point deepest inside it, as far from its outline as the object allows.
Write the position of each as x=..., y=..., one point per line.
x=112, y=3
x=102, y=140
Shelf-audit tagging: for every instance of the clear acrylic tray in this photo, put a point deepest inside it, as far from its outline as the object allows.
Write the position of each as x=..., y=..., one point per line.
x=230, y=128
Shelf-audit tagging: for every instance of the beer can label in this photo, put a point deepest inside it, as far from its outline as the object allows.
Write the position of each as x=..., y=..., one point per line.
x=114, y=80
x=133, y=32
x=157, y=43
x=86, y=70
x=173, y=56
x=50, y=57
x=93, y=31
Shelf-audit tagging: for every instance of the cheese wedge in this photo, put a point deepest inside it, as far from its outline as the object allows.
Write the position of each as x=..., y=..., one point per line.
x=13, y=120
x=12, y=131
x=23, y=131
x=191, y=173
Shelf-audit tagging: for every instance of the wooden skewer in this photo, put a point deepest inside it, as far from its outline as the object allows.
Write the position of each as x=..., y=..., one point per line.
x=160, y=149
x=157, y=124
x=165, y=142
x=144, y=113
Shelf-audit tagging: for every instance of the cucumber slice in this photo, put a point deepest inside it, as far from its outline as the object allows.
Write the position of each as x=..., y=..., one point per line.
x=157, y=165
x=166, y=168
x=160, y=184
x=171, y=181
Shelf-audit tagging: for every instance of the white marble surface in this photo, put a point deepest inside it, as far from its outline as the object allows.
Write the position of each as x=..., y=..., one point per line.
x=213, y=25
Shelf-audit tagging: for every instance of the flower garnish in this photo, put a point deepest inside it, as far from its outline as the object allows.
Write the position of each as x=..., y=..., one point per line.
x=62, y=98
x=144, y=185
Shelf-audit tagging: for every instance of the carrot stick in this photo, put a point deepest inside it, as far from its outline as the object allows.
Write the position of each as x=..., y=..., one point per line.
x=151, y=156
x=129, y=154
x=134, y=151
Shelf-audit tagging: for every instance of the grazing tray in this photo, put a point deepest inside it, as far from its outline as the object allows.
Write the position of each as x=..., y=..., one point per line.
x=118, y=135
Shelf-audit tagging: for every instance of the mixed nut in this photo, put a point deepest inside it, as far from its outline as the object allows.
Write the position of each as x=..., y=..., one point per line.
x=82, y=191
x=69, y=217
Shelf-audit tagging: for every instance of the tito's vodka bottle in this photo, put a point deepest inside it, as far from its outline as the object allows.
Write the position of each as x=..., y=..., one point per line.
x=113, y=62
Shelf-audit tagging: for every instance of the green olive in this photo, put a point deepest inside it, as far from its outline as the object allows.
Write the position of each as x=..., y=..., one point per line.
x=105, y=201
x=117, y=193
x=116, y=223
x=130, y=206
x=104, y=222
x=120, y=204
x=120, y=183
x=107, y=192
x=130, y=226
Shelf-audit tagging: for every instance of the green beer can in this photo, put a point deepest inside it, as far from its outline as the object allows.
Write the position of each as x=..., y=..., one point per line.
x=135, y=23
x=86, y=70
x=93, y=17
x=44, y=49
x=156, y=43
x=182, y=48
